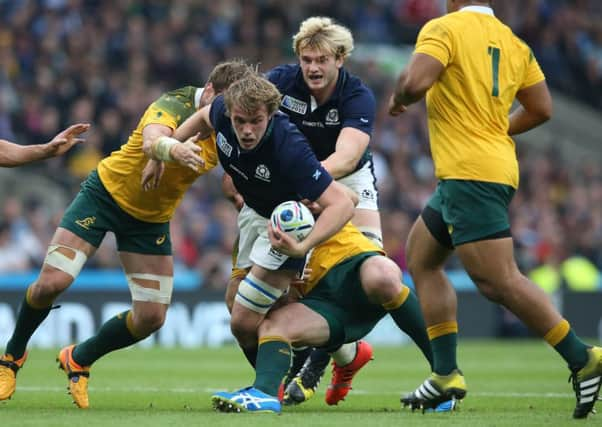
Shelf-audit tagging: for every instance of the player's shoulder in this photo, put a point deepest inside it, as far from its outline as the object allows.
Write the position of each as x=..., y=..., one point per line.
x=283, y=74
x=286, y=135
x=354, y=86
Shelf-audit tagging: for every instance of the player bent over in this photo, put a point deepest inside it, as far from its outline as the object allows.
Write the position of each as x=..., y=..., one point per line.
x=352, y=286
x=111, y=199
x=270, y=162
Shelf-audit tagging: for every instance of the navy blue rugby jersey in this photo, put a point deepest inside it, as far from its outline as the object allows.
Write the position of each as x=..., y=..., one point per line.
x=352, y=104
x=281, y=167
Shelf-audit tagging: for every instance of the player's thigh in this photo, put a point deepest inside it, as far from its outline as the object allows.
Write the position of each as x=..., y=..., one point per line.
x=298, y=324
x=490, y=262
x=423, y=250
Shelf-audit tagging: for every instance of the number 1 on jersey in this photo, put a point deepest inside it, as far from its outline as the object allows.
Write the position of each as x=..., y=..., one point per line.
x=494, y=52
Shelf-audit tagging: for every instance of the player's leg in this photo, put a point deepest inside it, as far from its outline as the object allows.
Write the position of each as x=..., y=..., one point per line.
x=366, y=218
x=150, y=279
x=491, y=265
x=269, y=277
x=428, y=247
x=382, y=281
x=257, y=293
x=293, y=323
x=80, y=232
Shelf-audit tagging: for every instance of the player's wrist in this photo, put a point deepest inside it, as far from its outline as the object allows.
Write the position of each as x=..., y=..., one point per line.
x=162, y=148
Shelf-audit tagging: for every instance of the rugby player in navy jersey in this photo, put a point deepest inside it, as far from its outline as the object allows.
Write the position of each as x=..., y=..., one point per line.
x=335, y=111
x=270, y=162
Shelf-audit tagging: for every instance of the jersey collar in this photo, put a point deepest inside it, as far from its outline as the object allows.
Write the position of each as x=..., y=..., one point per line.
x=479, y=9
x=197, y=97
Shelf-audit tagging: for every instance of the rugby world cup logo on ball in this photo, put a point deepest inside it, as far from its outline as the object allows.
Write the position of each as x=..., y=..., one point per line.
x=293, y=218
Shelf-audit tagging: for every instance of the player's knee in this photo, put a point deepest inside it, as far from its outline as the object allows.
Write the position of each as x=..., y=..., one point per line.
x=48, y=287
x=231, y=291
x=244, y=330
x=146, y=322
x=381, y=279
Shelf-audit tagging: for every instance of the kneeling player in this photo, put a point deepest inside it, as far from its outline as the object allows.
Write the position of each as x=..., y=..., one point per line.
x=352, y=286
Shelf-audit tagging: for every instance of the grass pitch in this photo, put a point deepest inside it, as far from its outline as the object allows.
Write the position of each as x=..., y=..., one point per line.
x=510, y=383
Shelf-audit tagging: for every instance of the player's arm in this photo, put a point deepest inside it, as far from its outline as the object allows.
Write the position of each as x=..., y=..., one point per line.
x=414, y=82
x=231, y=193
x=535, y=108
x=197, y=123
x=159, y=144
x=12, y=154
x=351, y=145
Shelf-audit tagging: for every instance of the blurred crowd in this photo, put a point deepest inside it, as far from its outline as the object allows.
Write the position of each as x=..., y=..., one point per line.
x=103, y=62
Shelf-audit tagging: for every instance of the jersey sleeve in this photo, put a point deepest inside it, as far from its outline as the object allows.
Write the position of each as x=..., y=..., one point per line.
x=170, y=108
x=435, y=40
x=308, y=176
x=217, y=112
x=359, y=110
x=533, y=73
x=275, y=76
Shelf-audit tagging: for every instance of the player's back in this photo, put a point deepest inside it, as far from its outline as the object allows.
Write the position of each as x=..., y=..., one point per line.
x=486, y=65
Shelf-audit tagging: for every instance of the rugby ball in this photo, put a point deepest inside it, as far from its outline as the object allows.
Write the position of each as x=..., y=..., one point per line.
x=293, y=218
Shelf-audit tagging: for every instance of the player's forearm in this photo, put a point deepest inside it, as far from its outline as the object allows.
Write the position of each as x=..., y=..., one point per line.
x=330, y=221
x=338, y=165
x=193, y=125
x=12, y=155
x=522, y=120
x=405, y=92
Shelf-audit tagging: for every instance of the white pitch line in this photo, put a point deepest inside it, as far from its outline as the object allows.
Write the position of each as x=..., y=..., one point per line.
x=185, y=390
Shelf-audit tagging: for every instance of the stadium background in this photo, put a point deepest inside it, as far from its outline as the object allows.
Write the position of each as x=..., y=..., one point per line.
x=103, y=62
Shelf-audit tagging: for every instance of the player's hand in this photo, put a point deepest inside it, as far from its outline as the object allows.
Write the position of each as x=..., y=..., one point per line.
x=285, y=244
x=396, y=109
x=151, y=174
x=65, y=140
x=301, y=279
x=188, y=154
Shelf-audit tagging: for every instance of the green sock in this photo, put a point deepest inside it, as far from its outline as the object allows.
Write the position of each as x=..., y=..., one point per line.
x=573, y=350
x=112, y=335
x=273, y=361
x=444, y=353
x=408, y=317
x=28, y=320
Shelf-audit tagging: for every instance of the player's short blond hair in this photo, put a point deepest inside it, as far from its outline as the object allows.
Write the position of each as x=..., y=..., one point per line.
x=226, y=73
x=323, y=34
x=251, y=93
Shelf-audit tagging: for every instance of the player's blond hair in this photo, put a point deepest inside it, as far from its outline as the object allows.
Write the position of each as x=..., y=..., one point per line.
x=323, y=34
x=251, y=93
x=226, y=73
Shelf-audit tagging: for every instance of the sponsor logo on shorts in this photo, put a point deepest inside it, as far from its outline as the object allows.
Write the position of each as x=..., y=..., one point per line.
x=263, y=173
x=368, y=194
x=160, y=240
x=332, y=117
x=274, y=253
x=294, y=104
x=86, y=222
x=223, y=144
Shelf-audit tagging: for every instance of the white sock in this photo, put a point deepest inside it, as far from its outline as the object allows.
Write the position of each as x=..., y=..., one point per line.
x=345, y=354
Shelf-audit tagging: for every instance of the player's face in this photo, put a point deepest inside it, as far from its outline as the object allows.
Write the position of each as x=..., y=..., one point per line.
x=320, y=69
x=249, y=127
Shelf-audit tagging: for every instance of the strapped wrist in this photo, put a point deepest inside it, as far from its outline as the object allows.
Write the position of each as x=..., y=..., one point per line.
x=162, y=148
